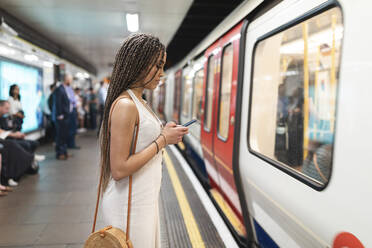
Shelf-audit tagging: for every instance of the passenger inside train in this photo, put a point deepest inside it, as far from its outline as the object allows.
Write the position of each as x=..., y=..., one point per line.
x=305, y=107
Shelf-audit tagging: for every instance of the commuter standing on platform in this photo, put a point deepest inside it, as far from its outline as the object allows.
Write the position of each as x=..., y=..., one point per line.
x=72, y=120
x=102, y=94
x=60, y=116
x=92, y=103
x=50, y=131
x=138, y=66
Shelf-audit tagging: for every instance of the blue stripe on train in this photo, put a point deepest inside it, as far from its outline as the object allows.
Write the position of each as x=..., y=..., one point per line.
x=263, y=237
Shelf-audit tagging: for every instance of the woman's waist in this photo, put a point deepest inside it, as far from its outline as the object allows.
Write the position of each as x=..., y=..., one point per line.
x=151, y=170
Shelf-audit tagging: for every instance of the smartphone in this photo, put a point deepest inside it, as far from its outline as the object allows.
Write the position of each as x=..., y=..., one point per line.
x=189, y=123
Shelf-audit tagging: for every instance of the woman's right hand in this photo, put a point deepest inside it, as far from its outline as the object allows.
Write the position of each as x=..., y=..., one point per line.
x=174, y=133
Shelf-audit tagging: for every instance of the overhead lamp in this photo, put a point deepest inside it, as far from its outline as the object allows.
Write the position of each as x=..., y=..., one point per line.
x=132, y=22
x=79, y=75
x=48, y=64
x=6, y=51
x=31, y=57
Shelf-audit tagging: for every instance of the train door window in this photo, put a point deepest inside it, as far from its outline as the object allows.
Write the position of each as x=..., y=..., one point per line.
x=198, y=94
x=225, y=92
x=212, y=63
x=294, y=93
x=187, y=95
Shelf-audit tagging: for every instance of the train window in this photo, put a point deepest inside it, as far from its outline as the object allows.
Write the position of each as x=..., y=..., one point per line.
x=177, y=96
x=212, y=63
x=225, y=92
x=294, y=93
x=198, y=94
x=161, y=97
x=187, y=95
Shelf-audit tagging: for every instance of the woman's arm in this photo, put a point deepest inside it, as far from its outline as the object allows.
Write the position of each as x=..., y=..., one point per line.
x=123, y=121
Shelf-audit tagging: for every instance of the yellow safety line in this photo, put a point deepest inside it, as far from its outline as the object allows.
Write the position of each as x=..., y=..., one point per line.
x=190, y=223
x=229, y=213
x=181, y=146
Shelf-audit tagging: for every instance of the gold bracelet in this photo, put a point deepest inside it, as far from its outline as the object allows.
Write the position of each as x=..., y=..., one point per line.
x=165, y=140
x=157, y=146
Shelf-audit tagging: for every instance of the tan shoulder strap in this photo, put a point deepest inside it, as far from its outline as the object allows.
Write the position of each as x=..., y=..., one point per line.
x=132, y=151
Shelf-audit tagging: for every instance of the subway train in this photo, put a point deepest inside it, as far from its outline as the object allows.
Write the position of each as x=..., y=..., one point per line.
x=281, y=94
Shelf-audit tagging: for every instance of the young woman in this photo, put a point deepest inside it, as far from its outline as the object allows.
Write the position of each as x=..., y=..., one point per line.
x=15, y=110
x=138, y=66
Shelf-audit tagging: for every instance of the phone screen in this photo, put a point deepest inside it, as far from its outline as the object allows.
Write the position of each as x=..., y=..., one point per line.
x=189, y=123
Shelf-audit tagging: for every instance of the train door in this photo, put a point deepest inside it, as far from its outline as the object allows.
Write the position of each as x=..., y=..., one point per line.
x=218, y=124
x=177, y=95
x=224, y=118
x=211, y=70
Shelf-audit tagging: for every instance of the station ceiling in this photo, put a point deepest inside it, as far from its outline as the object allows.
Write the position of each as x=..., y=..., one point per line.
x=94, y=29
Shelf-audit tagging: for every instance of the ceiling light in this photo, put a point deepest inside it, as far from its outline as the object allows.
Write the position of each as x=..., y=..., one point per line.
x=132, y=22
x=6, y=51
x=48, y=64
x=31, y=57
x=79, y=75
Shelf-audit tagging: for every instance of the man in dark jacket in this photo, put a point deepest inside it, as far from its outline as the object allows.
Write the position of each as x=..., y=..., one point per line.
x=60, y=115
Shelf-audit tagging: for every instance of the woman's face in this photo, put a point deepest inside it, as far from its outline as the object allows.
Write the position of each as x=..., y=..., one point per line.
x=16, y=90
x=157, y=69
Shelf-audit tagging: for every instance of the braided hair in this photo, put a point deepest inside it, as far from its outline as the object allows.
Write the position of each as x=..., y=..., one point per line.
x=133, y=62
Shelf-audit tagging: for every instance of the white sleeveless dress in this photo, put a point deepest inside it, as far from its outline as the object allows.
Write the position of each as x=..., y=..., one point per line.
x=144, y=229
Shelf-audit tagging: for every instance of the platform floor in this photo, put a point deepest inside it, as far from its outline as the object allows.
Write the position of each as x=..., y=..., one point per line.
x=54, y=209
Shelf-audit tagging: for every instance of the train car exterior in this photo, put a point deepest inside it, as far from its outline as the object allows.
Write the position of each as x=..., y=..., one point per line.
x=301, y=157
x=278, y=148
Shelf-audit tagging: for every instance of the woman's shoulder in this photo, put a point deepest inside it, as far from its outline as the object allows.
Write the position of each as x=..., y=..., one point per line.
x=125, y=107
x=126, y=104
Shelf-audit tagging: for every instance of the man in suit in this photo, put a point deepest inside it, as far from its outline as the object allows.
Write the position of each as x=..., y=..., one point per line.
x=60, y=115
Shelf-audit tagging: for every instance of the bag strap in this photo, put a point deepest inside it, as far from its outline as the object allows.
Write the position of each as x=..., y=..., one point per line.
x=315, y=160
x=133, y=150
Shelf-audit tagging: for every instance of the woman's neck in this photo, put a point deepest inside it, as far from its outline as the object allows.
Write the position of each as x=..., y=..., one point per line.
x=138, y=92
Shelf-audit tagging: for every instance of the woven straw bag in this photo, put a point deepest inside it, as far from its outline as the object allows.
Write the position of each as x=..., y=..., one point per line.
x=112, y=237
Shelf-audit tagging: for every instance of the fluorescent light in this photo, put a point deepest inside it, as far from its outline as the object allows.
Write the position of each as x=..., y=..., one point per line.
x=31, y=57
x=132, y=22
x=79, y=75
x=6, y=51
x=48, y=64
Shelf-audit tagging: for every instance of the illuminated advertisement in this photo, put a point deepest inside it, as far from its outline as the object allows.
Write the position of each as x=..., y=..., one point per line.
x=29, y=80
